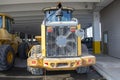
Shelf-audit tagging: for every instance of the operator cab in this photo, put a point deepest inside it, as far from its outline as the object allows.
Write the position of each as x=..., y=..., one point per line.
x=5, y=22
x=59, y=16
x=65, y=14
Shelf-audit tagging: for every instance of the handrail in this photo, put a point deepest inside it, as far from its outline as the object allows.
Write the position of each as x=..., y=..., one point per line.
x=30, y=51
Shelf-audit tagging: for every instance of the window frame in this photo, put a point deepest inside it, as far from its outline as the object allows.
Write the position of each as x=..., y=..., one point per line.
x=8, y=24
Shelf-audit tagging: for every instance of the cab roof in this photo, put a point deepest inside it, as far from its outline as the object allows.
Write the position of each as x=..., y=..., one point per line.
x=3, y=14
x=55, y=8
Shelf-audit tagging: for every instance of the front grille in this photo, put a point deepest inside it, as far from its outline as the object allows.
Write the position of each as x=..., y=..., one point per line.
x=61, y=42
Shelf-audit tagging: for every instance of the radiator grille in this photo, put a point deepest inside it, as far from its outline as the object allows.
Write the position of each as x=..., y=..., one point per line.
x=61, y=42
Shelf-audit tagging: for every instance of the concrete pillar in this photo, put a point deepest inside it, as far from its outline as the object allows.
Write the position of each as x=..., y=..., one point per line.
x=96, y=33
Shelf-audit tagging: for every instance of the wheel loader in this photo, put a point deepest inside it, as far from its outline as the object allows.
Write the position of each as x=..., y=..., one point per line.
x=10, y=43
x=60, y=45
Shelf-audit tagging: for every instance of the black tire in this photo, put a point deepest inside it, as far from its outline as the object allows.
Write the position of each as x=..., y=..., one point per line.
x=22, y=50
x=35, y=71
x=82, y=70
x=4, y=63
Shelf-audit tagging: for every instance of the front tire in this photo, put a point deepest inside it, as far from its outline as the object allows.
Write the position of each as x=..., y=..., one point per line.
x=82, y=70
x=35, y=71
x=7, y=57
x=23, y=50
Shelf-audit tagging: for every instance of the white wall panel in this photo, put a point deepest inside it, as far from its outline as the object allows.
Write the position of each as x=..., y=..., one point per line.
x=110, y=19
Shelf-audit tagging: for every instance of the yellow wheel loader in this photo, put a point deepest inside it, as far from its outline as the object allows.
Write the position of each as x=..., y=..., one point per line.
x=60, y=45
x=10, y=43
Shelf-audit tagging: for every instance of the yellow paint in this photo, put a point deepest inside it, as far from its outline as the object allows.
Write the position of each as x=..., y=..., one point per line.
x=30, y=51
x=96, y=47
x=3, y=14
x=79, y=42
x=38, y=38
x=3, y=22
x=40, y=62
x=43, y=40
x=5, y=36
x=55, y=63
x=85, y=60
x=10, y=57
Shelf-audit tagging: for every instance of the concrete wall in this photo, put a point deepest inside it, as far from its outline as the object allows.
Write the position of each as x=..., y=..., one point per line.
x=110, y=21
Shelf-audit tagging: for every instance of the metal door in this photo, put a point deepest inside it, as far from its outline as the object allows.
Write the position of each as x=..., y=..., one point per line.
x=105, y=42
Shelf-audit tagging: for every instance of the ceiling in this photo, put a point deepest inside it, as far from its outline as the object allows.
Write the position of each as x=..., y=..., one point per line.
x=28, y=14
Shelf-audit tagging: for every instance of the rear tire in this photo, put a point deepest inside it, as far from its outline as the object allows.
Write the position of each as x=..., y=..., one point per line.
x=7, y=57
x=82, y=70
x=23, y=50
x=35, y=71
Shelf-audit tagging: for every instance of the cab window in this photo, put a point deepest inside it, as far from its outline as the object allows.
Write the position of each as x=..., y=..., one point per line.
x=67, y=15
x=0, y=21
x=8, y=23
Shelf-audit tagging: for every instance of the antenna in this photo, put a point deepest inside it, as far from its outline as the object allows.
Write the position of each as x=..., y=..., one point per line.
x=59, y=5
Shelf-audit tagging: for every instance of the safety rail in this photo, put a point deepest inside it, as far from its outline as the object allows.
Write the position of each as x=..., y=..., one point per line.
x=34, y=50
x=29, y=53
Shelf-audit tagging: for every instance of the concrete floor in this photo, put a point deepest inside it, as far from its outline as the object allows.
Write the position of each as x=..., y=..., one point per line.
x=108, y=66
x=23, y=74
x=19, y=72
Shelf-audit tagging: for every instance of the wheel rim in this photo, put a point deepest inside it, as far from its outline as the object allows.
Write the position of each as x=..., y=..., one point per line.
x=9, y=57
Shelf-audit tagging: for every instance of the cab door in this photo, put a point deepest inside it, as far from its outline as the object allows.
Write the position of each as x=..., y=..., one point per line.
x=105, y=42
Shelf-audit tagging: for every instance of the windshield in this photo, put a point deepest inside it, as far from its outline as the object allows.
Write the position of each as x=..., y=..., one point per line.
x=51, y=16
x=0, y=21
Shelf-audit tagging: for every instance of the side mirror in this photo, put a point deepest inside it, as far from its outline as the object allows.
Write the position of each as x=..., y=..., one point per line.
x=79, y=33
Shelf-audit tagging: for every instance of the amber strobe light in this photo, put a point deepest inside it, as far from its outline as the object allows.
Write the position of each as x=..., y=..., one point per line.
x=49, y=29
x=72, y=29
